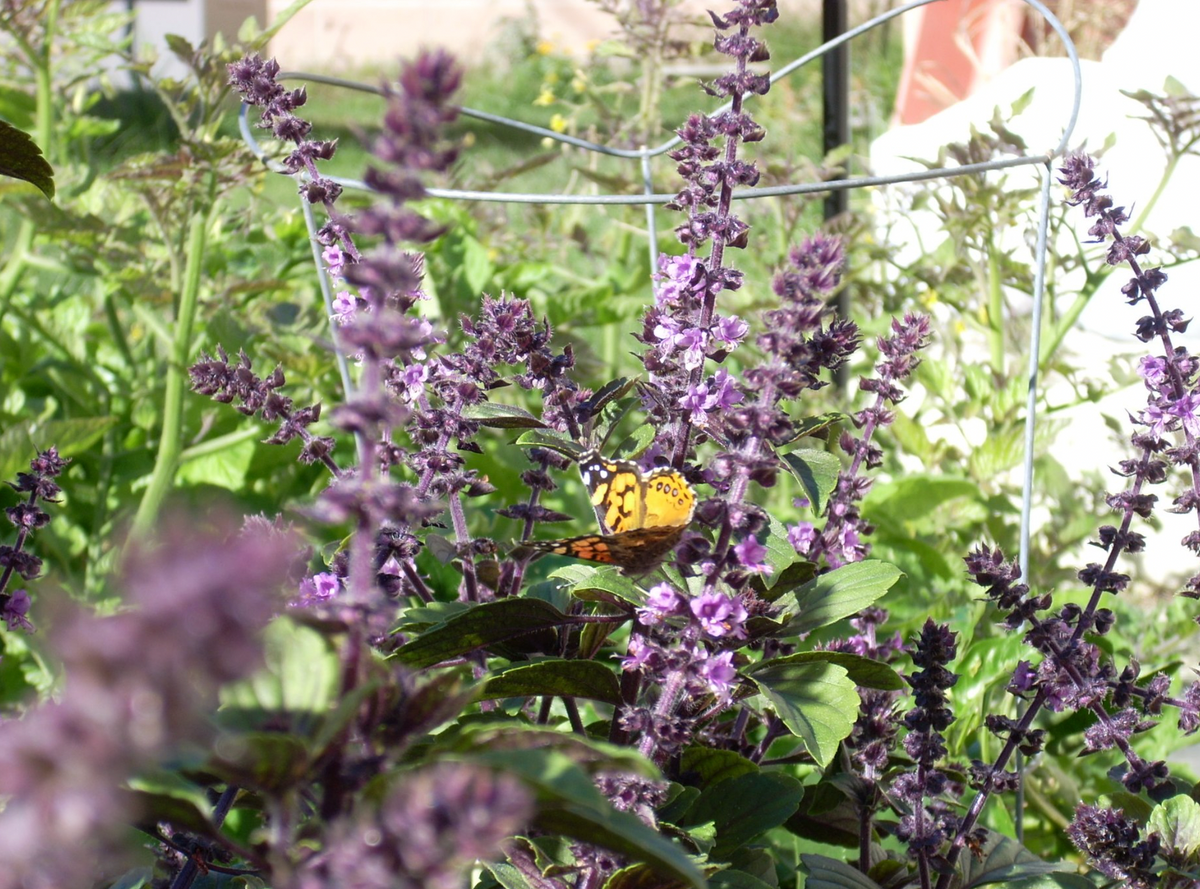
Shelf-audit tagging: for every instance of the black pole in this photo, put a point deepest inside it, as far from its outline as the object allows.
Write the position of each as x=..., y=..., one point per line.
x=835, y=81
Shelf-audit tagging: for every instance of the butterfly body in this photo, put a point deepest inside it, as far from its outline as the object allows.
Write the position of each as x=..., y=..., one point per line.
x=642, y=516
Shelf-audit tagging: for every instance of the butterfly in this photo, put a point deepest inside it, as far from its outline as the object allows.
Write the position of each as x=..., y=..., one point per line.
x=642, y=515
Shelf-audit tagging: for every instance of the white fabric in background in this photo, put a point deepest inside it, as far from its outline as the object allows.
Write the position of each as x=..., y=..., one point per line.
x=1160, y=41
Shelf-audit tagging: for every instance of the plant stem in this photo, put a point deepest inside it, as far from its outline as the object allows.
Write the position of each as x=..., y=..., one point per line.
x=170, y=440
x=995, y=312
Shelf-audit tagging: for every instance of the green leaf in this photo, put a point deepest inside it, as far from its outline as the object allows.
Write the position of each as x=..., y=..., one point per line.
x=559, y=442
x=1054, y=881
x=225, y=468
x=610, y=392
x=585, y=581
x=983, y=668
x=736, y=879
x=565, y=678
x=780, y=553
x=826, y=816
x=477, y=265
x=496, y=740
x=281, y=19
x=1022, y=102
x=829, y=873
x=180, y=46
x=794, y=575
x=711, y=765
x=506, y=875
x=817, y=472
x=817, y=702
x=1004, y=861
x=1000, y=452
x=840, y=593
x=20, y=442
x=502, y=416
x=300, y=679
x=570, y=805
x=635, y=443
x=480, y=627
x=272, y=762
x=819, y=426
x=745, y=807
x=607, y=48
x=20, y=158
x=903, y=502
x=863, y=671
x=1177, y=822
x=639, y=876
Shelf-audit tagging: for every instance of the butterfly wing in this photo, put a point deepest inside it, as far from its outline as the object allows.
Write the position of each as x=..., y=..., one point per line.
x=617, y=492
x=642, y=516
x=636, y=551
x=668, y=501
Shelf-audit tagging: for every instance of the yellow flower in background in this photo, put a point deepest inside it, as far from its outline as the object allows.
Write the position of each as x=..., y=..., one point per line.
x=544, y=47
x=579, y=82
x=545, y=97
x=929, y=298
x=558, y=123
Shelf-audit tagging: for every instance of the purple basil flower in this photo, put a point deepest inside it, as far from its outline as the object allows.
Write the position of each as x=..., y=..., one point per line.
x=720, y=674
x=719, y=615
x=318, y=589
x=675, y=277
x=662, y=602
x=751, y=554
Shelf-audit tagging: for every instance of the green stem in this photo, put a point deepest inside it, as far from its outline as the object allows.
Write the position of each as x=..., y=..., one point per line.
x=1068, y=318
x=1168, y=172
x=995, y=312
x=169, y=445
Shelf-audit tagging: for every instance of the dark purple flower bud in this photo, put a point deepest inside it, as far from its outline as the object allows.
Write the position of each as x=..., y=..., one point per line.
x=1114, y=845
x=22, y=562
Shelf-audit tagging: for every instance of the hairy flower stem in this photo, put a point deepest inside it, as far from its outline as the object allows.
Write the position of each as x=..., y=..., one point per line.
x=981, y=797
x=191, y=868
x=664, y=708
x=515, y=579
x=18, y=545
x=418, y=582
x=631, y=686
x=462, y=537
x=923, y=850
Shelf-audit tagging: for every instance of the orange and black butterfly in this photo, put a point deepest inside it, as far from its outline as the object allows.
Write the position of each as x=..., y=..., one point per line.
x=642, y=515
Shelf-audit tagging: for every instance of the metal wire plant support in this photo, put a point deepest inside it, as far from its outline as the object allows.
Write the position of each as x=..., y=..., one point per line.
x=650, y=199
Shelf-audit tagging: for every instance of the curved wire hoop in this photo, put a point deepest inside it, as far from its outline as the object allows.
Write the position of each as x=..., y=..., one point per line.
x=650, y=199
